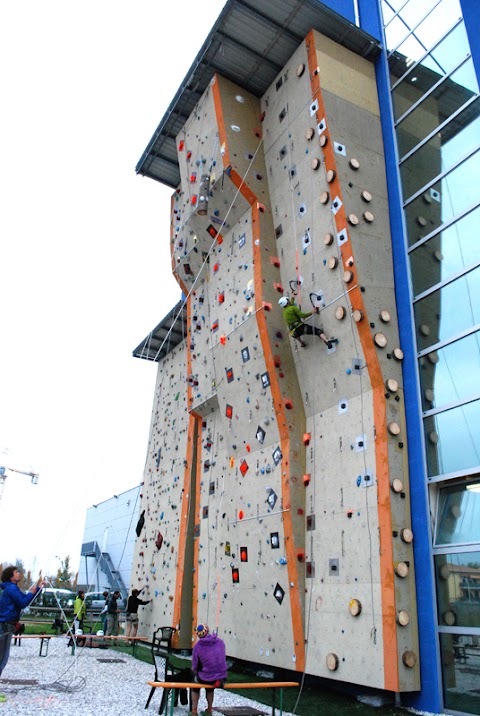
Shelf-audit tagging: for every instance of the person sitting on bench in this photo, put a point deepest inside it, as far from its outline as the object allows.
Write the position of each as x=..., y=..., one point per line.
x=209, y=665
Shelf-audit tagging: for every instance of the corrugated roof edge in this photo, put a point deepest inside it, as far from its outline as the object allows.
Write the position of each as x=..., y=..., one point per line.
x=332, y=24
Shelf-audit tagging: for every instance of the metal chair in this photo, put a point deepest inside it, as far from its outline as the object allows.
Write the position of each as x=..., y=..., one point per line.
x=161, y=650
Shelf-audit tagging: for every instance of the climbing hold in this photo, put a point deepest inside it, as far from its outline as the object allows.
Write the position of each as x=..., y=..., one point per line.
x=403, y=618
x=355, y=607
x=406, y=535
x=328, y=239
x=306, y=479
x=340, y=313
x=306, y=438
x=409, y=659
x=354, y=164
x=394, y=428
x=332, y=662
x=380, y=340
x=401, y=569
x=331, y=174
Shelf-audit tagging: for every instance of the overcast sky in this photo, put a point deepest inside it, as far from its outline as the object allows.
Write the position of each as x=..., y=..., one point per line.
x=84, y=252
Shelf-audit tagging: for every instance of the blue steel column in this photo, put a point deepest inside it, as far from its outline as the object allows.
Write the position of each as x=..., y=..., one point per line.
x=430, y=696
x=471, y=17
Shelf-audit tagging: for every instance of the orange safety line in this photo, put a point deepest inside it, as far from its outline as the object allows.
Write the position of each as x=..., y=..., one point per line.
x=250, y=196
x=390, y=645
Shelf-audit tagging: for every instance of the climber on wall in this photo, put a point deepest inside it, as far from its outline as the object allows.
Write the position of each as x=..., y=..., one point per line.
x=297, y=328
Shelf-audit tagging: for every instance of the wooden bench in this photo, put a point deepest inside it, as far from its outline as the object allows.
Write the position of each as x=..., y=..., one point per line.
x=173, y=685
x=44, y=640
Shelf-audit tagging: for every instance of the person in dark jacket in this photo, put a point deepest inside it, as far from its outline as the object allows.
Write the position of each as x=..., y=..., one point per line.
x=12, y=601
x=293, y=317
x=112, y=615
x=209, y=665
x=132, y=613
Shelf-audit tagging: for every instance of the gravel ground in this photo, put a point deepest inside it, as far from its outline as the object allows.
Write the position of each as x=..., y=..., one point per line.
x=83, y=685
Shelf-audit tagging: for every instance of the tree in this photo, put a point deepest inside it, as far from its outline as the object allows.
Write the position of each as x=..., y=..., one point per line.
x=65, y=578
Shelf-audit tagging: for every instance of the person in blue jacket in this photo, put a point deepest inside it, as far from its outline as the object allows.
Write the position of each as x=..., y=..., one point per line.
x=12, y=601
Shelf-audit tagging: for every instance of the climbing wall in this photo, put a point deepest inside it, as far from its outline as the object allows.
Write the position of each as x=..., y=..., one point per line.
x=281, y=489
x=326, y=173
x=158, y=552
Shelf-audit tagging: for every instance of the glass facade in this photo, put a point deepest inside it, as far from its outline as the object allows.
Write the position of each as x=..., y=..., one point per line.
x=436, y=113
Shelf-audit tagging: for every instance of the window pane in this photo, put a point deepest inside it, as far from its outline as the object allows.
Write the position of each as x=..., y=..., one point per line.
x=440, y=153
x=452, y=375
x=460, y=682
x=410, y=17
x=448, y=311
x=435, y=109
x=442, y=60
x=458, y=520
x=447, y=253
x=458, y=587
x=455, y=193
x=452, y=439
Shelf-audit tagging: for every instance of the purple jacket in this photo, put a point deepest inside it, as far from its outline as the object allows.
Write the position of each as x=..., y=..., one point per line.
x=208, y=658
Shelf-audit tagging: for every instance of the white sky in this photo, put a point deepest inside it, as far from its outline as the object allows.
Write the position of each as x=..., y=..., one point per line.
x=84, y=252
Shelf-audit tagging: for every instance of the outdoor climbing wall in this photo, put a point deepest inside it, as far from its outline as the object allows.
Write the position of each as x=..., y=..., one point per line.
x=326, y=175
x=283, y=493
x=158, y=554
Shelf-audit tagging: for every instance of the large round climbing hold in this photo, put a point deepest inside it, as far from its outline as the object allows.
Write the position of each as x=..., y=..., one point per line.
x=348, y=276
x=323, y=140
x=403, y=618
x=380, y=340
x=354, y=163
x=315, y=164
x=407, y=535
x=331, y=174
x=300, y=69
x=368, y=216
x=385, y=316
x=366, y=196
x=394, y=428
x=357, y=315
x=324, y=197
x=401, y=569
x=352, y=219
x=391, y=385
x=397, y=485
x=309, y=134
x=397, y=354
x=409, y=658
x=332, y=262
x=355, y=607
x=328, y=239
x=332, y=662
x=340, y=313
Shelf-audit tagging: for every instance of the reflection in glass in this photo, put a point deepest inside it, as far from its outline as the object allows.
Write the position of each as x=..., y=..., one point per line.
x=453, y=375
x=438, y=316
x=455, y=248
x=458, y=522
x=455, y=193
x=458, y=588
x=441, y=61
x=451, y=94
x=435, y=156
x=452, y=439
x=461, y=672
x=431, y=29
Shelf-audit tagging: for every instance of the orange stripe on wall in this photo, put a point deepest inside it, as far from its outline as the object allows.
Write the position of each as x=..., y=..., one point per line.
x=390, y=646
x=250, y=196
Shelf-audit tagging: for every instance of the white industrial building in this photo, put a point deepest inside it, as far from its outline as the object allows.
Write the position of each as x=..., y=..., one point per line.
x=108, y=543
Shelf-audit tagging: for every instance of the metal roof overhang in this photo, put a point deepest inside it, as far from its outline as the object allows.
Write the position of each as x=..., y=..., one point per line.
x=171, y=331
x=249, y=44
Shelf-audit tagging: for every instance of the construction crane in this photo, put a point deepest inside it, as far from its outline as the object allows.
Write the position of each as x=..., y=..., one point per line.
x=33, y=476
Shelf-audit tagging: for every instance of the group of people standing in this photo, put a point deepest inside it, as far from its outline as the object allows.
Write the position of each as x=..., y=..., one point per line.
x=209, y=665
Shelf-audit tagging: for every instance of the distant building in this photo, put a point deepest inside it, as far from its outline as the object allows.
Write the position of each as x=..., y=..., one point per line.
x=108, y=543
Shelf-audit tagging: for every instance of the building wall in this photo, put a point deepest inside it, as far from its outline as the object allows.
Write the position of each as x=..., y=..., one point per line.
x=112, y=525
x=281, y=489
